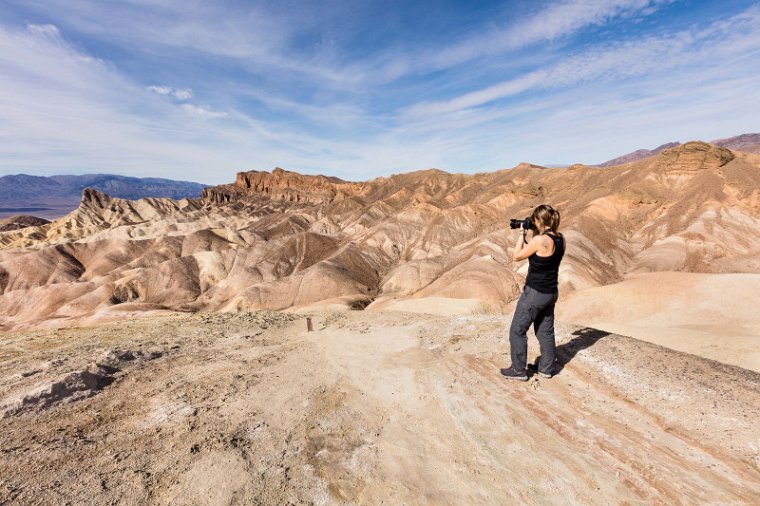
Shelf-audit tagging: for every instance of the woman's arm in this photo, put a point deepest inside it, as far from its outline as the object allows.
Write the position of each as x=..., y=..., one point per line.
x=522, y=250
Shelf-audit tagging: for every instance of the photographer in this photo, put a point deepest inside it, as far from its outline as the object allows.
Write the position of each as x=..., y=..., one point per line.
x=536, y=304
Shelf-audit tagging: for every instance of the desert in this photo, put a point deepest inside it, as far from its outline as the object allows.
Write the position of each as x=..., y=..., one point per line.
x=379, y=253
x=157, y=350
x=369, y=408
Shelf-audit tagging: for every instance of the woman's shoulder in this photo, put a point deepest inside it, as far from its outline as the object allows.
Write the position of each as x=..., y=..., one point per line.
x=546, y=241
x=557, y=236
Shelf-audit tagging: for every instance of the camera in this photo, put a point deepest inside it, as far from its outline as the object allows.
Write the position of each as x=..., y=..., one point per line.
x=526, y=224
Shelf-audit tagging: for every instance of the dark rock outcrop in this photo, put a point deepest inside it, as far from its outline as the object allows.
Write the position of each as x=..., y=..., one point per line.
x=20, y=221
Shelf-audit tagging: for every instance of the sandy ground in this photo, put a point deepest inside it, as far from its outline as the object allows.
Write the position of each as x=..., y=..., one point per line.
x=370, y=408
x=442, y=306
x=711, y=315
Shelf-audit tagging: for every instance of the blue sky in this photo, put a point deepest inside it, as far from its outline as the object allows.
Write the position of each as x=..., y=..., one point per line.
x=199, y=90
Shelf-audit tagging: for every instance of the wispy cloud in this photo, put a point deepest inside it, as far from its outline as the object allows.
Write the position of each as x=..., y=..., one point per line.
x=203, y=111
x=178, y=93
x=252, y=35
x=200, y=90
x=724, y=39
x=552, y=22
x=63, y=110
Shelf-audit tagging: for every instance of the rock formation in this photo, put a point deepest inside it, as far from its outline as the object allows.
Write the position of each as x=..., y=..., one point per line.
x=285, y=240
x=639, y=154
x=20, y=221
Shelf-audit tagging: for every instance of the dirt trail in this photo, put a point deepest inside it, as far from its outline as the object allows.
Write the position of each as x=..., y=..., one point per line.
x=370, y=408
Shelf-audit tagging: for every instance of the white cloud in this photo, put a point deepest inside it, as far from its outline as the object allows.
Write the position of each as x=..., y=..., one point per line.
x=63, y=110
x=724, y=39
x=556, y=20
x=183, y=94
x=203, y=111
x=49, y=31
x=251, y=35
x=161, y=90
x=178, y=93
x=563, y=18
x=261, y=38
x=480, y=97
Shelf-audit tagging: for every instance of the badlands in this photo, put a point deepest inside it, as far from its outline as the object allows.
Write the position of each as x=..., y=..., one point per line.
x=156, y=351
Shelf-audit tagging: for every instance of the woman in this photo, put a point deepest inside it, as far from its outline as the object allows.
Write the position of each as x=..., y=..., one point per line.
x=536, y=305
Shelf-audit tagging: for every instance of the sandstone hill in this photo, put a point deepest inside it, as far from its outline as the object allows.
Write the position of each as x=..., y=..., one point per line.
x=244, y=406
x=285, y=240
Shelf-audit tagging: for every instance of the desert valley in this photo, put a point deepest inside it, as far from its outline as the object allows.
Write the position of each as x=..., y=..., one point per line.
x=379, y=253
x=156, y=350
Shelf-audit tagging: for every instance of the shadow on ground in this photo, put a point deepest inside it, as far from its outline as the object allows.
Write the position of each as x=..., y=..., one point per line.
x=583, y=338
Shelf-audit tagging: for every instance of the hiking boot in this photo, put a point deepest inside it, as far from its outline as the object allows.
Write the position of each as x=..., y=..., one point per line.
x=511, y=373
x=534, y=370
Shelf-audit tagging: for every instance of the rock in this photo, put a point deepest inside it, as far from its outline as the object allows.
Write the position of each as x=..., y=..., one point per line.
x=281, y=240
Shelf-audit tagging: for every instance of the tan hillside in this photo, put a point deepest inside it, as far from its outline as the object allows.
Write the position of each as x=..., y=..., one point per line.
x=284, y=240
x=403, y=402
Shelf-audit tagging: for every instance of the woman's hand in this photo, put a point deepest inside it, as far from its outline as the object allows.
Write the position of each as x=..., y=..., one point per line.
x=521, y=239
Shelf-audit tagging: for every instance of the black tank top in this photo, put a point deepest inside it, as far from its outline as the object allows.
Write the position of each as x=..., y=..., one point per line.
x=543, y=271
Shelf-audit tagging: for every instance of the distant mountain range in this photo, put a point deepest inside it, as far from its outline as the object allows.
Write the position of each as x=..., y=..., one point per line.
x=55, y=196
x=745, y=142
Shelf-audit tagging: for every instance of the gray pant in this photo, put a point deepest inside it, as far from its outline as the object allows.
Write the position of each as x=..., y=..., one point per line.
x=537, y=308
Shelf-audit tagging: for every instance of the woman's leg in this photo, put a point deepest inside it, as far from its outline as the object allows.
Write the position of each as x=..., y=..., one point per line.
x=518, y=339
x=544, y=327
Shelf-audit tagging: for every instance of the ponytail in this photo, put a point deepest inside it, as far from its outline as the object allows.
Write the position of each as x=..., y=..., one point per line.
x=554, y=221
x=547, y=216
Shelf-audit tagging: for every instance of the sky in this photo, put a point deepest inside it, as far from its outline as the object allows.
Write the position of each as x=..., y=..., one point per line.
x=197, y=90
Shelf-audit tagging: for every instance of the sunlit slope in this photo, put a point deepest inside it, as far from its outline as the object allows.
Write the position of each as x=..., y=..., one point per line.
x=280, y=240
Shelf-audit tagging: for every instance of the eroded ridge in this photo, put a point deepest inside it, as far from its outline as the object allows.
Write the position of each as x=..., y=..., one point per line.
x=277, y=240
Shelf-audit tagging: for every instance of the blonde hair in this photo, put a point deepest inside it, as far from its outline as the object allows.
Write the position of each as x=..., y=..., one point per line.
x=547, y=216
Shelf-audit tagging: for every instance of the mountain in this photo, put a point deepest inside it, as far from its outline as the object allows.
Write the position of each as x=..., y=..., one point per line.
x=277, y=240
x=639, y=154
x=749, y=143
x=353, y=405
x=745, y=142
x=54, y=196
